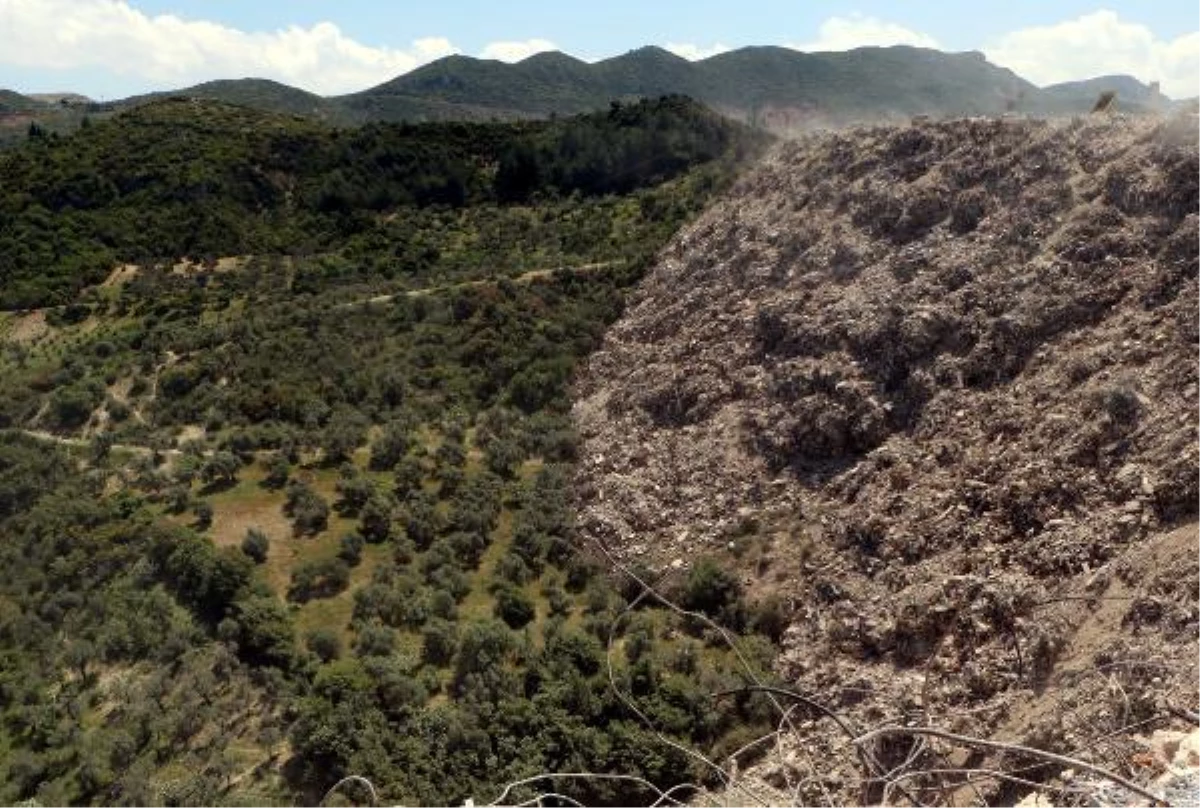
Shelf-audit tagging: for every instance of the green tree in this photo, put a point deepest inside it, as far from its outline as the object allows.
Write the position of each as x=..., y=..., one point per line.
x=309, y=511
x=324, y=642
x=390, y=446
x=221, y=469
x=376, y=518
x=513, y=606
x=439, y=642
x=350, y=549
x=715, y=591
x=203, y=510
x=256, y=545
x=322, y=578
x=278, y=470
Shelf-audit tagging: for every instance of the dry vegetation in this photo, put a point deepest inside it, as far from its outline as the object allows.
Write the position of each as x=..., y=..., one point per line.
x=936, y=387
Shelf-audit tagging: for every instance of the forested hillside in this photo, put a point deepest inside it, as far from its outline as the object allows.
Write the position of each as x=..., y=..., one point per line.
x=202, y=180
x=285, y=456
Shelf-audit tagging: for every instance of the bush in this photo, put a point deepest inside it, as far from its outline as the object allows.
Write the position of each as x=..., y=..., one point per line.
x=354, y=491
x=769, y=618
x=71, y=407
x=256, y=545
x=439, y=642
x=422, y=522
x=351, y=549
x=390, y=447
x=309, y=512
x=408, y=474
x=220, y=469
x=513, y=606
x=324, y=643
x=347, y=429
x=714, y=591
x=376, y=518
x=318, y=579
x=203, y=511
x=375, y=640
x=512, y=569
x=278, y=470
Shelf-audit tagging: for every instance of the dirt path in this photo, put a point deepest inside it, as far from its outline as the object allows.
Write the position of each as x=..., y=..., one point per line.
x=525, y=277
x=41, y=434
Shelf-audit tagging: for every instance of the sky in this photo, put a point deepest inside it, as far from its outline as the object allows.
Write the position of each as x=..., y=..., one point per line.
x=114, y=48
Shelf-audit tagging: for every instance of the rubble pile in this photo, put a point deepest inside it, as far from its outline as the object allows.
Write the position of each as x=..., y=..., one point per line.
x=935, y=387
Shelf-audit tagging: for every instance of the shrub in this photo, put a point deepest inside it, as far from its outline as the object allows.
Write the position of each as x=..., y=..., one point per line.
x=376, y=518
x=409, y=474
x=318, y=579
x=324, y=643
x=375, y=640
x=351, y=548
x=278, y=470
x=714, y=591
x=347, y=429
x=220, y=469
x=309, y=512
x=354, y=491
x=439, y=642
x=513, y=606
x=390, y=447
x=422, y=522
x=203, y=511
x=256, y=545
x=71, y=407
x=769, y=618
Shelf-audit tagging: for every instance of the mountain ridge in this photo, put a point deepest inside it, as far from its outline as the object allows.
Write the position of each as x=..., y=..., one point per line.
x=773, y=87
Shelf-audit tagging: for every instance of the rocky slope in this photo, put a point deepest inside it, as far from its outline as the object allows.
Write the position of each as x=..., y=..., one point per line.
x=935, y=387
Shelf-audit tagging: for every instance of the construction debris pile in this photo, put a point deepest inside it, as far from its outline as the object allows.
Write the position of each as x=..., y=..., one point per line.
x=935, y=389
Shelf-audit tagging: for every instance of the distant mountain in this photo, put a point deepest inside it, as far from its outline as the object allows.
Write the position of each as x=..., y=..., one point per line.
x=61, y=98
x=1132, y=95
x=781, y=87
x=263, y=94
x=773, y=87
x=12, y=102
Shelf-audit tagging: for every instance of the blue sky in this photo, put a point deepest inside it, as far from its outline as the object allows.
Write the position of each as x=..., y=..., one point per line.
x=111, y=48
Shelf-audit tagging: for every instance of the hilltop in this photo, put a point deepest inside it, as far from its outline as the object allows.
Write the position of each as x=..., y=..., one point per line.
x=11, y=102
x=776, y=88
x=934, y=388
x=259, y=94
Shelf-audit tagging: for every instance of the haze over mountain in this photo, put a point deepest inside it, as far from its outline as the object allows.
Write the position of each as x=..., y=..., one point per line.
x=774, y=87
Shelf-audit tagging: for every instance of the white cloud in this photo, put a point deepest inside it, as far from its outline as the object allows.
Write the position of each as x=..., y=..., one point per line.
x=693, y=52
x=857, y=30
x=516, y=51
x=1098, y=44
x=167, y=51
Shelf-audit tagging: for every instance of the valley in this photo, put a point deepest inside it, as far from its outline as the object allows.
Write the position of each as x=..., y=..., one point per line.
x=324, y=488
x=633, y=457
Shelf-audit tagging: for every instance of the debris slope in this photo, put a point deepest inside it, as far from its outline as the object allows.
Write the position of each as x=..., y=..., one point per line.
x=934, y=388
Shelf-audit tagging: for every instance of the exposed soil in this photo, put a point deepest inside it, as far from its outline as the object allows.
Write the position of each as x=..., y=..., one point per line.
x=936, y=387
x=121, y=274
x=29, y=328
